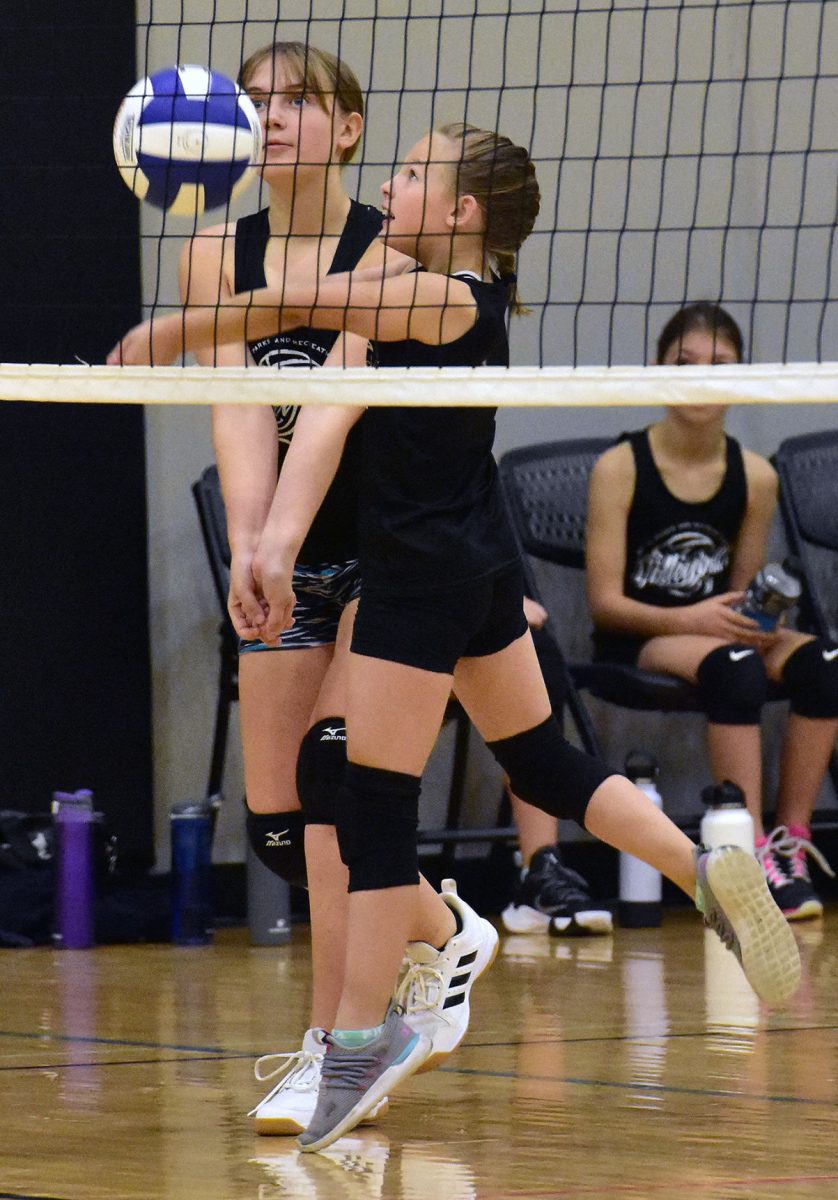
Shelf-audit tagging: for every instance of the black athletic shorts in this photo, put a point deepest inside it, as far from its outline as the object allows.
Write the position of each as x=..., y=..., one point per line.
x=323, y=592
x=617, y=648
x=433, y=632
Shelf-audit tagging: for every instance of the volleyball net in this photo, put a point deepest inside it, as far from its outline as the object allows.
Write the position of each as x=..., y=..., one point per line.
x=686, y=150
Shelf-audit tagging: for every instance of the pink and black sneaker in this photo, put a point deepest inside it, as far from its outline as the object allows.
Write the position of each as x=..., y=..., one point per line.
x=783, y=857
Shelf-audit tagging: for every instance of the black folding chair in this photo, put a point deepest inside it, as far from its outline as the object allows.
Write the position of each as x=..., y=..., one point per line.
x=808, y=471
x=210, y=505
x=546, y=488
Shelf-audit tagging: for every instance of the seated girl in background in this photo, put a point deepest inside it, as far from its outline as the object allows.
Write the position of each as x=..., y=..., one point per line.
x=678, y=525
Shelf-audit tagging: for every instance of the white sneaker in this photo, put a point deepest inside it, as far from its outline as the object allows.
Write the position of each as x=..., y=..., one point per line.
x=434, y=991
x=290, y=1104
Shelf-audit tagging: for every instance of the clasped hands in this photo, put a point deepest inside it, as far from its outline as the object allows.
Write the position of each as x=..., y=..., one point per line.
x=261, y=600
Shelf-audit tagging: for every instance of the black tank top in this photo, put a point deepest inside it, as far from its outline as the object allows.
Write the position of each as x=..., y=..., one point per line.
x=433, y=516
x=333, y=536
x=677, y=552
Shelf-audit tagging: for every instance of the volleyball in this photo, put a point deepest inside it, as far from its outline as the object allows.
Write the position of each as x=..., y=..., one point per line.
x=185, y=140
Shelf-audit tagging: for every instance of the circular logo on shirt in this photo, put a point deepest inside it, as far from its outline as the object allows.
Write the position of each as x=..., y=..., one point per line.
x=683, y=560
x=286, y=419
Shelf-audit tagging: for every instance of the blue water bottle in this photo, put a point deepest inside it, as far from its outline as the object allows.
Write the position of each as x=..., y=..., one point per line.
x=75, y=821
x=191, y=826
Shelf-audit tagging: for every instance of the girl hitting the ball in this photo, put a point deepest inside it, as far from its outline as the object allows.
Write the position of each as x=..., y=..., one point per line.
x=292, y=692
x=441, y=598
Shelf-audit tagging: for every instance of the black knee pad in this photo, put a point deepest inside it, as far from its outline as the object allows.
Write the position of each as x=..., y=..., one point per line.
x=733, y=685
x=278, y=840
x=377, y=818
x=320, y=767
x=811, y=676
x=545, y=770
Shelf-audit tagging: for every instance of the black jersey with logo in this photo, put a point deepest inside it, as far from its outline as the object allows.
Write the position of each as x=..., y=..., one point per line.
x=433, y=516
x=677, y=552
x=333, y=535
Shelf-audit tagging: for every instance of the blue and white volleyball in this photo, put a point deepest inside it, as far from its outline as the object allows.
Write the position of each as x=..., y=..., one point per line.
x=185, y=140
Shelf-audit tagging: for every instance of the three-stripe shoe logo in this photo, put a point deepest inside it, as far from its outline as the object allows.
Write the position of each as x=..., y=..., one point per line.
x=460, y=980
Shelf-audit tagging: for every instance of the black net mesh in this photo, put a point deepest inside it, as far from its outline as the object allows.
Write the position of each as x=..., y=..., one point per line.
x=686, y=150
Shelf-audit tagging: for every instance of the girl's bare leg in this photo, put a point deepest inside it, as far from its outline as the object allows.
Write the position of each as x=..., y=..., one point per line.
x=328, y=878
x=536, y=828
x=277, y=692
x=807, y=745
x=735, y=750
x=807, y=748
x=395, y=716
x=504, y=694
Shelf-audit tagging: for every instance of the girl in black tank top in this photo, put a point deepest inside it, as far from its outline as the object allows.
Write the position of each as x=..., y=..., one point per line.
x=679, y=520
x=292, y=702
x=462, y=197
x=333, y=536
x=677, y=551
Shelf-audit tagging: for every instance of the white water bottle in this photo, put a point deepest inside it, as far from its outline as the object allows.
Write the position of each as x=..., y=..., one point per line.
x=727, y=821
x=640, y=884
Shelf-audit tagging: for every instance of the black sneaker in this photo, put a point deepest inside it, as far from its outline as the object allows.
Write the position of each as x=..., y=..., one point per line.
x=551, y=897
x=783, y=858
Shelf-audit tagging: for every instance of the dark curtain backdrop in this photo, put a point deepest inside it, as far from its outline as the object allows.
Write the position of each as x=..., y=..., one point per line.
x=74, y=655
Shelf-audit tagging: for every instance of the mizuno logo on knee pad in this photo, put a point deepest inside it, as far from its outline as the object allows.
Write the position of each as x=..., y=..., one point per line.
x=276, y=839
x=336, y=734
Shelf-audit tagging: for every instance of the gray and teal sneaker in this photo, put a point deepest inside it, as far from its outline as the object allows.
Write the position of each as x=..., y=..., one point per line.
x=733, y=897
x=354, y=1080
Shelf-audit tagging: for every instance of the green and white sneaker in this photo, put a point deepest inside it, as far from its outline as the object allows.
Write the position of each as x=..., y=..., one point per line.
x=733, y=896
x=354, y=1080
x=290, y=1104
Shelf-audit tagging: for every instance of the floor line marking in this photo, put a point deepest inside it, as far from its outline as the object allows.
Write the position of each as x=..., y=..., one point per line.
x=127, y=1062
x=622, y=1085
x=40, y=1036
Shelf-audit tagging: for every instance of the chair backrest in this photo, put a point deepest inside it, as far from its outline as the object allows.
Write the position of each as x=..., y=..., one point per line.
x=546, y=489
x=210, y=505
x=808, y=471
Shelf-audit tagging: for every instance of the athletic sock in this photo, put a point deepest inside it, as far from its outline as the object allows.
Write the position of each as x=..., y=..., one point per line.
x=352, y=1039
x=458, y=928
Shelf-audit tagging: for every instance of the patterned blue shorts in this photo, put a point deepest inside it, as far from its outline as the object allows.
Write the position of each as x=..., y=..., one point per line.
x=323, y=591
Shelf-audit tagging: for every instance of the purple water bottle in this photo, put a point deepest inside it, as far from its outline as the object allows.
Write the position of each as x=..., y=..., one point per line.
x=191, y=826
x=74, y=825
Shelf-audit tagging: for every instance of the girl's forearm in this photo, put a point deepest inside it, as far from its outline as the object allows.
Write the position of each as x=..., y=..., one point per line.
x=307, y=473
x=246, y=454
x=264, y=312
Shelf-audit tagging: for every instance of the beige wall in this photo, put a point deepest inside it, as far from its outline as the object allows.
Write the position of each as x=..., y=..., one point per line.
x=608, y=293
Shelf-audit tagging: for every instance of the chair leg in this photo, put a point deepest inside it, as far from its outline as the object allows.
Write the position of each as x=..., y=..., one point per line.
x=833, y=772
x=226, y=696
x=457, y=789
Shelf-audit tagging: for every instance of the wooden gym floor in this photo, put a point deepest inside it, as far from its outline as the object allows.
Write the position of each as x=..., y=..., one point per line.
x=638, y=1066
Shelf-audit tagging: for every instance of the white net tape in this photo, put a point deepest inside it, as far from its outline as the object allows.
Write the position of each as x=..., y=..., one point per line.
x=765, y=383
